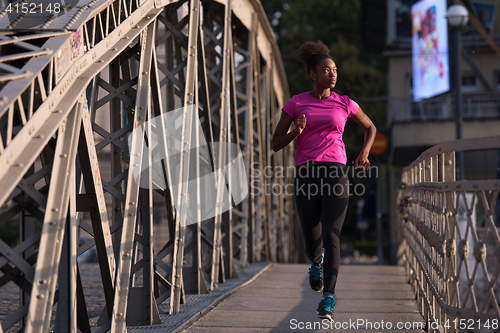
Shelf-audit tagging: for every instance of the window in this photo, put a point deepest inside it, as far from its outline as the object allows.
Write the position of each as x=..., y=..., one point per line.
x=398, y=19
x=496, y=80
x=403, y=17
x=409, y=85
x=469, y=83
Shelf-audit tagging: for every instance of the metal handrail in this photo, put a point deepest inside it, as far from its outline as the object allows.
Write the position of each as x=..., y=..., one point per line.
x=403, y=109
x=490, y=142
x=454, y=290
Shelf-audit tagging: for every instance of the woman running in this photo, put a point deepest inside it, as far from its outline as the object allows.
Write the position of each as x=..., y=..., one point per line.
x=321, y=182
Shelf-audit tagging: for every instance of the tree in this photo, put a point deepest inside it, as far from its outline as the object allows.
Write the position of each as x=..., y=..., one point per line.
x=298, y=21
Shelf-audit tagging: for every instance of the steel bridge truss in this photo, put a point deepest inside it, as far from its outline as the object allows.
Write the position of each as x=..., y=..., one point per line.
x=73, y=92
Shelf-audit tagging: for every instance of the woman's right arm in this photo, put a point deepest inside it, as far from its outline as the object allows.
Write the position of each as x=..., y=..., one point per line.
x=281, y=137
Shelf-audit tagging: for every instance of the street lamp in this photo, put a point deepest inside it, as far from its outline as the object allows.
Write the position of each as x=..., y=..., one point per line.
x=458, y=16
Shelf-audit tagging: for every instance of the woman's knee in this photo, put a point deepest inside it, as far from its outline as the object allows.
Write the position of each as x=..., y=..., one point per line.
x=332, y=237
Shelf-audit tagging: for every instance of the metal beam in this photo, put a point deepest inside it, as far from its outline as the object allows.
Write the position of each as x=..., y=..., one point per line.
x=183, y=64
x=143, y=112
x=51, y=241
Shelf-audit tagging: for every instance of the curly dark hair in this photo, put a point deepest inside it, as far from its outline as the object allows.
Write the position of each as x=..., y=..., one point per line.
x=311, y=53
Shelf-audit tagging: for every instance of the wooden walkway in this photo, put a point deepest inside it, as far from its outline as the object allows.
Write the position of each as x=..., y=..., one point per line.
x=368, y=298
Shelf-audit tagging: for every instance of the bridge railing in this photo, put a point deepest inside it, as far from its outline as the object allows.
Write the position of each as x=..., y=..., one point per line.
x=449, y=236
x=484, y=105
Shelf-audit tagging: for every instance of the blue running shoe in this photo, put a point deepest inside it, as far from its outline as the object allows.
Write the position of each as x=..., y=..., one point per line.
x=316, y=276
x=325, y=308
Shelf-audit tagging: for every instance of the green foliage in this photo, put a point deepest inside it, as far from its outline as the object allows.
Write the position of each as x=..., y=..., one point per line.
x=336, y=23
x=358, y=80
x=298, y=21
x=355, y=77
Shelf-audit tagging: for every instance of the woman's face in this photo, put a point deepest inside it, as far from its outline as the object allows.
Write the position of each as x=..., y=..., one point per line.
x=325, y=74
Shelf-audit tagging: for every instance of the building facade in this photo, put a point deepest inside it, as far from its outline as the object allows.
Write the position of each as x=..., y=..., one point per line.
x=416, y=126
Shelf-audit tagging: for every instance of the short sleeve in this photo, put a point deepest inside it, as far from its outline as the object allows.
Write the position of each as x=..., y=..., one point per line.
x=289, y=107
x=352, y=107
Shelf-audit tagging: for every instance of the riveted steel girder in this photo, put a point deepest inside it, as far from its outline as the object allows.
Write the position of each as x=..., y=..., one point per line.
x=74, y=90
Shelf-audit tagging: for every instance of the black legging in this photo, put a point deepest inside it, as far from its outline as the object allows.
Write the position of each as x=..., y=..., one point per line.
x=322, y=193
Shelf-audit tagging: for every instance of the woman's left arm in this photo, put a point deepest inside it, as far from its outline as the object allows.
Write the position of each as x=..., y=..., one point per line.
x=362, y=119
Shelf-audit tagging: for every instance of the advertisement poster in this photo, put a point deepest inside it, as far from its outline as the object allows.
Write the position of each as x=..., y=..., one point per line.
x=429, y=49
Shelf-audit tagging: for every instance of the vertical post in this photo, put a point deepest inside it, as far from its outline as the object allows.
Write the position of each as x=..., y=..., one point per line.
x=205, y=98
x=116, y=159
x=149, y=310
x=54, y=224
x=249, y=139
x=26, y=229
x=185, y=164
x=259, y=199
x=448, y=167
x=380, y=252
x=66, y=306
x=457, y=74
x=143, y=99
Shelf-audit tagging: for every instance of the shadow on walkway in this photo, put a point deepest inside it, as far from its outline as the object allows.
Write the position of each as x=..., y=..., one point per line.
x=367, y=298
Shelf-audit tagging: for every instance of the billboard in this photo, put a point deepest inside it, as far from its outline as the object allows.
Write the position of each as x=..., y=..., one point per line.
x=429, y=49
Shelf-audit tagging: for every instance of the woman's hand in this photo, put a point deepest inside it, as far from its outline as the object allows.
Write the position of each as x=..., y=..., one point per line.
x=362, y=119
x=281, y=137
x=362, y=161
x=301, y=123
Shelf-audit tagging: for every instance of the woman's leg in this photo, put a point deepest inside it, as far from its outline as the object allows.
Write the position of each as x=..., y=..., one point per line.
x=334, y=203
x=309, y=204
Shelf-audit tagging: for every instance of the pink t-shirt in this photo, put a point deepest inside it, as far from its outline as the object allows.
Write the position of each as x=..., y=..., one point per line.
x=321, y=139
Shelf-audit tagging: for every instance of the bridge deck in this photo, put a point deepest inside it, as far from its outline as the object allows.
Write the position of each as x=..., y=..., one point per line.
x=280, y=300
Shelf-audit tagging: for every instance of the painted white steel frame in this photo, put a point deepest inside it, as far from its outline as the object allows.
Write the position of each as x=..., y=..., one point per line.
x=130, y=61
